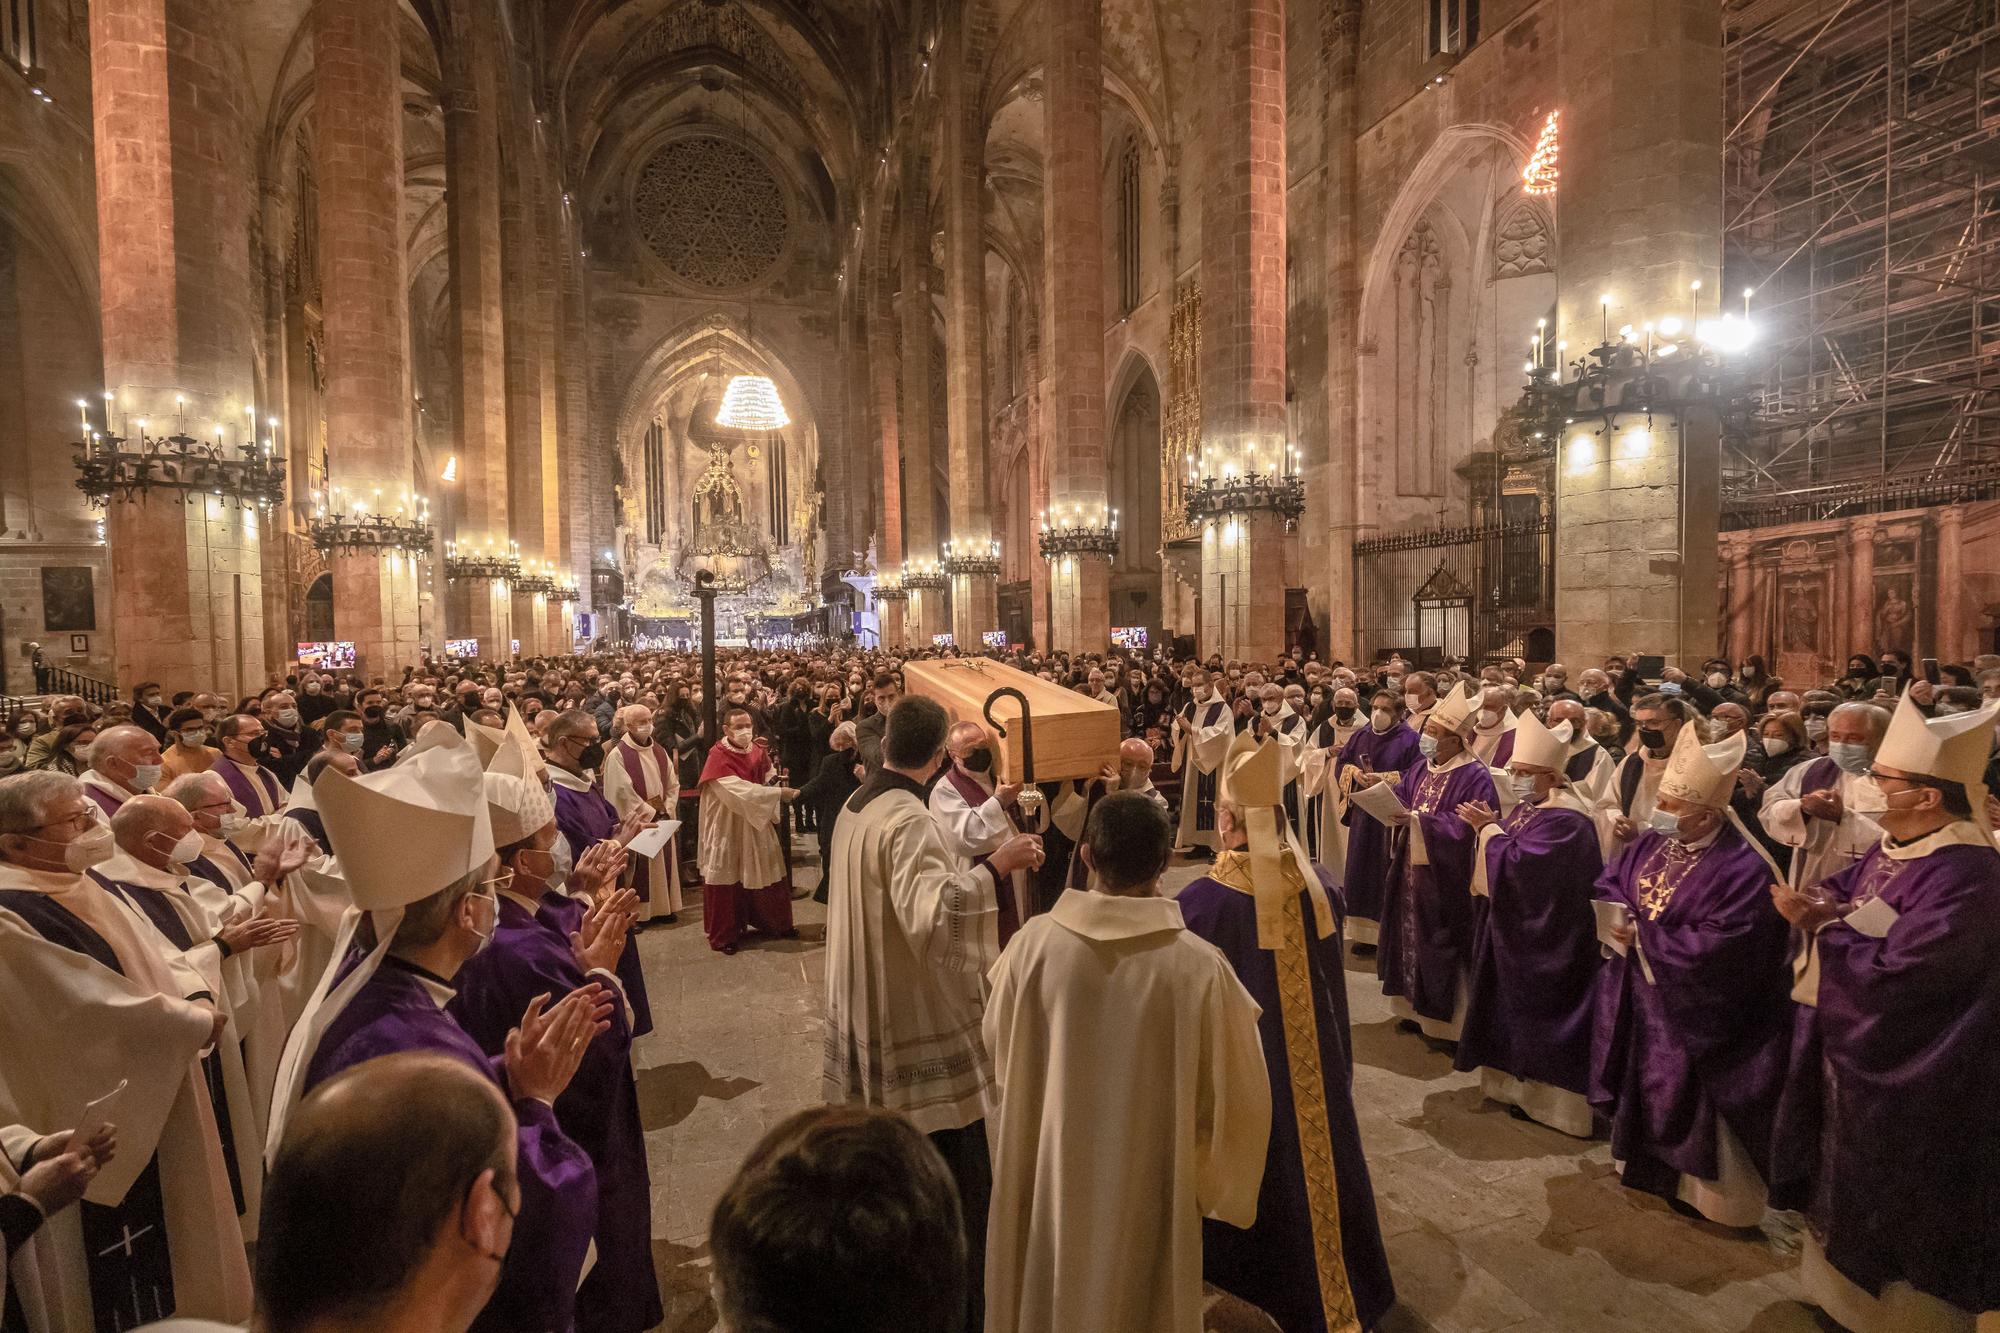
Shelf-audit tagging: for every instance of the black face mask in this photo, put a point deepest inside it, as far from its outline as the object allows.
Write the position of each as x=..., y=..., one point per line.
x=979, y=759
x=592, y=756
x=1345, y=713
x=1652, y=738
x=372, y=714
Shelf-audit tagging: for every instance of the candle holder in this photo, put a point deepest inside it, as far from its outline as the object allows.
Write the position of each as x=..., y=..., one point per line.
x=534, y=584
x=1279, y=493
x=481, y=565
x=1073, y=533
x=891, y=592
x=371, y=532
x=116, y=467
x=565, y=593
x=923, y=576
x=972, y=561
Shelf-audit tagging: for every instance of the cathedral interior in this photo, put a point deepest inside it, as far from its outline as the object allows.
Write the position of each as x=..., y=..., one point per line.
x=368, y=327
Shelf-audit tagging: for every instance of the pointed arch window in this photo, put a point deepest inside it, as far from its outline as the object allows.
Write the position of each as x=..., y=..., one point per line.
x=1128, y=228
x=656, y=483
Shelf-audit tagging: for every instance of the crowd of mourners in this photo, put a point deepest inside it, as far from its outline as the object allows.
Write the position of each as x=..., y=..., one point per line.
x=1747, y=928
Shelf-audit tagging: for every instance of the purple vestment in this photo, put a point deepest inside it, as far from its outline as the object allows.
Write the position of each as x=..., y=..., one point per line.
x=1536, y=955
x=1427, y=920
x=1707, y=1037
x=1890, y=1132
x=599, y=1109
x=585, y=818
x=1272, y=1264
x=537, y=1292
x=1367, y=839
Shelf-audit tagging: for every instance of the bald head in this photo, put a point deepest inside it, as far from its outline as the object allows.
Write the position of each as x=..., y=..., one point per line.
x=406, y=1212
x=120, y=752
x=148, y=828
x=1570, y=711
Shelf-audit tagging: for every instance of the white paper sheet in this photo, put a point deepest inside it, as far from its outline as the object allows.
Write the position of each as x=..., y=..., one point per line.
x=1382, y=804
x=653, y=838
x=1873, y=918
x=1609, y=915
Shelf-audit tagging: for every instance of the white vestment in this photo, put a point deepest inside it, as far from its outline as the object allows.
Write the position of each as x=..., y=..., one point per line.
x=1827, y=846
x=141, y=1032
x=1486, y=741
x=909, y=937
x=1199, y=747
x=1133, y=1102
x=1320, y=791
x=202, y=972
x=254, y=981
x=660, y=793
x=739, y=835
x=1594, y=785
x=973, y=831
x=1607, y=808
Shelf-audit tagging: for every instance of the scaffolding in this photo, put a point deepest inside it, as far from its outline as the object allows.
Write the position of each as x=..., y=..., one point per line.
x=1861, y=161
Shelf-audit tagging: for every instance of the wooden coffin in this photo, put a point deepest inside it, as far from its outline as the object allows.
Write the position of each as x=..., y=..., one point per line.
x=1075, y=737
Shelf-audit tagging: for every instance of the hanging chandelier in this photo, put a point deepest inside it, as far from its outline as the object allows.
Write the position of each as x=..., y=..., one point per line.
x=751, y=403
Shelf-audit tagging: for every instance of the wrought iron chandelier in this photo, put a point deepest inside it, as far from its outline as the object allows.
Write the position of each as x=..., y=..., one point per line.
x=116, y=466
x=971, y=559
x=482, y=564
x=1073, y=531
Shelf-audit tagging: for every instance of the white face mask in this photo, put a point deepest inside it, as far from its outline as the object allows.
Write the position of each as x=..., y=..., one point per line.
x=1489, y=717
x=643, y=735
x=740, y=737
x=1776, y=746
x=86, y=850
x=1271, y=709
x=1383, y=719
x=145, y=777
x=185, y=849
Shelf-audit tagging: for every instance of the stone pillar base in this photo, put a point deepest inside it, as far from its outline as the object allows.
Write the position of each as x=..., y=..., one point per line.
x=1080, y=604
x=375, y=606
x=558, y=634
x=1243, y=587
x=530, y=618
x=890, y=616
x=483, y=609
x=975, y=608
x=187, y=594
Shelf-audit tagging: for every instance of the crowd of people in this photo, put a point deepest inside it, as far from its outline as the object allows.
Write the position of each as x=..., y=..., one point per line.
x=1747, y=930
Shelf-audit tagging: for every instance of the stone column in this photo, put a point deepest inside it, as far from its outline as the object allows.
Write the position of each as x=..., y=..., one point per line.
x=1073, y=210
x=920, y=527
x=358, y=142
x=1948, y=640
x=882, y=359
x=1860, y=595
x=478, y=608
x=975, y=605
x=1744, y=602
x=1640, y=212
x=1243, y=328
x=1338, y=481
x=572, y=532
x=530, y=351
x=179, y=310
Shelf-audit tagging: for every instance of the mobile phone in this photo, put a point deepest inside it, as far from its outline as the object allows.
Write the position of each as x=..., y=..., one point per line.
x=1931, y=670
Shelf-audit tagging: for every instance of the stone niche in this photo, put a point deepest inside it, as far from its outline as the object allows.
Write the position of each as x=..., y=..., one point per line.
x=1806, y=596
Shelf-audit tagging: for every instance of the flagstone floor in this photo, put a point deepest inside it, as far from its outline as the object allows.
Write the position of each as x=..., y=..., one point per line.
x=1491, y=1223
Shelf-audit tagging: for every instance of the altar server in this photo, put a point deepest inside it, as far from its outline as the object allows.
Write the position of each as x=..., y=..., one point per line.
x=745, y=885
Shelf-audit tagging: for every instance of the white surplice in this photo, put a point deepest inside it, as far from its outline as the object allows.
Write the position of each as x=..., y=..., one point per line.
x=140, y=1031
x=909, y=935
x=739, y=835
x=203, y=972
x=1133, y=1102
x=1199, y=748
x=972, y=831
x=1826, y=846
x=254, y=981
x=659, y=792
x=1606, y=805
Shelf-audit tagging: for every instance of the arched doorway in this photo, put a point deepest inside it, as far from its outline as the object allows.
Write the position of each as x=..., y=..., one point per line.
x=319, y=610
x=1135, y=494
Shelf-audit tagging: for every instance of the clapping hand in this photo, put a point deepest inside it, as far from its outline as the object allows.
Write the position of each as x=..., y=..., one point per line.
x=279, y=857
x=62, y=1172
x=600, y=865
x=1806, y=910
x=633, y=824
x=1822, y=805
x=1623, y=828
x=599, y=939
x=543, y=1053
x=1477, y=814
x=257, y=932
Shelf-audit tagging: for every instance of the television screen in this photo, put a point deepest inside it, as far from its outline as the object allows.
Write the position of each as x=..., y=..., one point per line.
x=461, y=647
x=1129, y=636
x=327, y=656
x=994, y=638
x=516, y=649
x=943, y=641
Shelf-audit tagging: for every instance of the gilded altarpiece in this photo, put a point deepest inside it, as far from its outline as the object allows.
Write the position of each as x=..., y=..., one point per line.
x=1180, y=434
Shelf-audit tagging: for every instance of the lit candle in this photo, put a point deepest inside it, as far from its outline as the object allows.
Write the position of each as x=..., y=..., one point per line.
x=1694, y=300
x=1604, y=316
x=1562, y=361
x=1748, y=292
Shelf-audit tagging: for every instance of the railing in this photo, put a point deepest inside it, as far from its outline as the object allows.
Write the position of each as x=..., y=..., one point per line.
x=1432, y=539
x=61, y=680
x=1875, y=495
x=1504, y=574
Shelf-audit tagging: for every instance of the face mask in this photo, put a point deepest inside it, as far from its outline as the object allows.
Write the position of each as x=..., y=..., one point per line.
x=1850, y=757
x=559, y=863
x=1524, y=786
x=91, y=849
x=1271, y=710
x=193, y=738
x=350, y=741
x=1663, y=821
x=185, y=849
x=1382, y=719
x=1815, y=728
x=25, y=731
x=492, y=901
x=1428, y=744
x=643, y=735
x=1201, y=694
x=1652, y=738
x=288, y=718
x=145, y=777
x=312, y=687
x=978, y=759
x=1345, y=712
x=232, y=822
x=80, y=753
x=1716, y=680
x=1776, y=746
x=1489, y=718
x=374, y=713
x=740, y=737
x=1413, y=702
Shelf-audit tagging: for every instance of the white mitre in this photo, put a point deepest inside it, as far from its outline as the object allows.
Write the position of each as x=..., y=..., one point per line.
x=1539, y=746
x=1953, y=748
x=1703, y=774
x=485, y=740
x=517, y=729
x=518, y=808
x=1456, y=709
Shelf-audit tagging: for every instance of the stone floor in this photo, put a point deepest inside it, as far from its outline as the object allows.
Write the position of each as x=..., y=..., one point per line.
x=1491, y=1223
